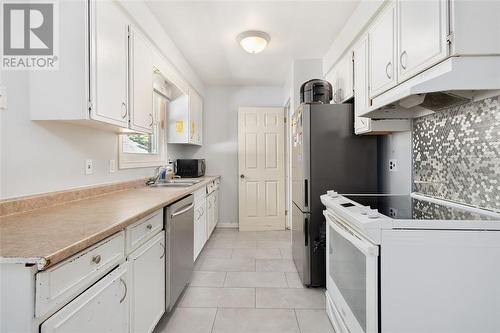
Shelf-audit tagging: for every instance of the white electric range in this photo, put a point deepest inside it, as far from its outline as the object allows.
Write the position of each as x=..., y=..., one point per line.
x=410, y=263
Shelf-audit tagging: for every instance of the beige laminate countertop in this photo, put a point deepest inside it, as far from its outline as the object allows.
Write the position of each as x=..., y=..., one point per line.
x=47, y=236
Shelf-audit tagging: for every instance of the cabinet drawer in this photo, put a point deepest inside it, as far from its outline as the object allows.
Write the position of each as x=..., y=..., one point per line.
x=140, y=232
x=104, y=307
x=61, y=283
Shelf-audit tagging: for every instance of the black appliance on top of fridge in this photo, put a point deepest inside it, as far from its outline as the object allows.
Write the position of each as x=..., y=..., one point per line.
x=326, y=155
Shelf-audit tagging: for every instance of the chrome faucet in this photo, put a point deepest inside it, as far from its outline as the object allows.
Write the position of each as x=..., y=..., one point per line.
x=168, y=170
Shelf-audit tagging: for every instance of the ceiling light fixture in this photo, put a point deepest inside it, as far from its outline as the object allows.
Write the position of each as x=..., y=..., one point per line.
x=253, y=41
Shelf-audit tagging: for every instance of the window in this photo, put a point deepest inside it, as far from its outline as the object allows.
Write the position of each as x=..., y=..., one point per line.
x=145, y=150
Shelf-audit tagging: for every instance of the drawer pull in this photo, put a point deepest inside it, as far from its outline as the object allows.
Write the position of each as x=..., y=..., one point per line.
x=126, y=290
x=149, y=226
x=96, y=259
x=164, y=251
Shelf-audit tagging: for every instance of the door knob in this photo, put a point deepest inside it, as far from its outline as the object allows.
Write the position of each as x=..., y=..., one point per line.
x=242, y=176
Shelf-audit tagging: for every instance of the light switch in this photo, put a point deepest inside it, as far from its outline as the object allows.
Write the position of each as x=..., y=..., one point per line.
x=89, y=168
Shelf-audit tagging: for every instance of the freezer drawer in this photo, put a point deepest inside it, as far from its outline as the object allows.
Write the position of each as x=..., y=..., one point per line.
x=301, y=244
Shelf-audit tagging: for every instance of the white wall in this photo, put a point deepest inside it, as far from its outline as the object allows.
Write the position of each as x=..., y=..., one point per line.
x=38, y=157
x=220, y=139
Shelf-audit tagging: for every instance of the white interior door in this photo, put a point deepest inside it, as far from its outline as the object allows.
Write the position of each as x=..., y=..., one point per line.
x=261, y=168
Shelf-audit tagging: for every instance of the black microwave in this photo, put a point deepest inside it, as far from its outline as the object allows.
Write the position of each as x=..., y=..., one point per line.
x=190, y=168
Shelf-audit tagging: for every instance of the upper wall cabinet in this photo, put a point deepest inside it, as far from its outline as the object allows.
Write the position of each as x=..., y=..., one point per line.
x=185, y=119
x=141, y=83
x=381, y=44
x=361, y=99
x=341, y=79
x=109, y=64
x=422, y=31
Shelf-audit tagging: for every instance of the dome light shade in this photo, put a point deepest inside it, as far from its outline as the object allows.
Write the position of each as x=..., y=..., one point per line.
x=253, y=41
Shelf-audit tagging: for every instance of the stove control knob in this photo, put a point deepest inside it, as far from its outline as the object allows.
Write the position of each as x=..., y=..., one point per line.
x=364, y=210
x=332, y=194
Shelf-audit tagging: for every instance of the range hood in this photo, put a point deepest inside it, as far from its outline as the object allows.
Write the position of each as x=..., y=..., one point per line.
x=454, y=81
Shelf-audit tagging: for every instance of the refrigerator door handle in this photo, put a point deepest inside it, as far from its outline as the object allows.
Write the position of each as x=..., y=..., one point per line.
x=306, y=193
x=306, y=231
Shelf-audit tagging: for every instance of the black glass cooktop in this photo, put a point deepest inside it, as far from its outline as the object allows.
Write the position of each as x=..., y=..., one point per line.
x=405, y=207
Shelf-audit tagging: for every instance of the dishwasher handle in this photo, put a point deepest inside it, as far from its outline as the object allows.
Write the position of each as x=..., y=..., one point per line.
x=182, y=210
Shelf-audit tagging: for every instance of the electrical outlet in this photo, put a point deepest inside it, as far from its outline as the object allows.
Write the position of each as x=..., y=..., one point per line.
x=393, y=212
x=112, y=166
x=89, y=167
x=393, y=165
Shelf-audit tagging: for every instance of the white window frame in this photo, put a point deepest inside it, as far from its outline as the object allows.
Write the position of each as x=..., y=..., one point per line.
x=141, y=160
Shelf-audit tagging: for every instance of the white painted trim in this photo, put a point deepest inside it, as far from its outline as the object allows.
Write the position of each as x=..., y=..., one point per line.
x=227, y=225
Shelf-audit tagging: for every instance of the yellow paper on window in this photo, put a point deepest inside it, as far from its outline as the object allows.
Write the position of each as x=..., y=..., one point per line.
x=179, y=126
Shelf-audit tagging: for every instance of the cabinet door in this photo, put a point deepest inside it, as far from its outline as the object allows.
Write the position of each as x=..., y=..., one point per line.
x=195, y=117
x=109, y=63
x=216, y=207
x=178, y=119
x=200, y=227
x=147, y=281
x=381, y=44
x=331, y=77
x=141, y=83
x=361, y=99
x=421, y=36
x=210, y=214
x=344, y=78
x=104, y=307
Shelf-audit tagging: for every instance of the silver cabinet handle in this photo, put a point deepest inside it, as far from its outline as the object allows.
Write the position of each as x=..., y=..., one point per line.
x=182, y=211
x=164, y=250
x=126, y=290
x=405, y=55
x=96, y=259
x=202, y=211
x=152, y=121
x=389, y=65
x=124, y=108
x=149, y=226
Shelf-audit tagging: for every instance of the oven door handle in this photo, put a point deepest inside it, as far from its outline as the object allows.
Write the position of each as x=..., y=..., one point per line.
x=362, y=244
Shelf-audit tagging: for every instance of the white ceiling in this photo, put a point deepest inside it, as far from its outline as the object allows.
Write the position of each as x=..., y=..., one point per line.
x=205, y=32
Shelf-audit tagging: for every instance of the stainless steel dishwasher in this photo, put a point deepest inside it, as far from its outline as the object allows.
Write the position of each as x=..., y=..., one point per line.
x=180, y=224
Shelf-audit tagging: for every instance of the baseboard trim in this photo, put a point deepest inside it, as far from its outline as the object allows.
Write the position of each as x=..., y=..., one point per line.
x=227, y=225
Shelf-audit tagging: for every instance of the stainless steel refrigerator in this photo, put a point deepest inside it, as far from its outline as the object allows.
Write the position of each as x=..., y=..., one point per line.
x=326, y=155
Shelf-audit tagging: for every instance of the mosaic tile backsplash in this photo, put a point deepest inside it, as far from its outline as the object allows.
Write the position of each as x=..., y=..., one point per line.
x=456, y=154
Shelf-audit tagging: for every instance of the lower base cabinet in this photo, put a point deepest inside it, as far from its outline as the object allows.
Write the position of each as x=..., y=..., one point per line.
x=147, y=284
x=104, y=307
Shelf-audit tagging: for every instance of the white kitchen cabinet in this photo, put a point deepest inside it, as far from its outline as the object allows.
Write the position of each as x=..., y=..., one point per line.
x=185, y=119
x=109, y=64
x=422, y=32
x=341, y=79
x=381, y=50
x=95, y=72
x=104, y=307
x=361, y=99
x=195, y=118
x=141, y=82
x=211, y=222
x=364, y=125
x=147, y=284
x=216, y=206
x=200, y=226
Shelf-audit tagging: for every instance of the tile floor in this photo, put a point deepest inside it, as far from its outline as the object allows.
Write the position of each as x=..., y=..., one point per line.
x=246, y=282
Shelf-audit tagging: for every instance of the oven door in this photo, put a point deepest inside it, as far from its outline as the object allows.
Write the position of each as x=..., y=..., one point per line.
x=352, y=277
